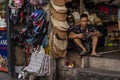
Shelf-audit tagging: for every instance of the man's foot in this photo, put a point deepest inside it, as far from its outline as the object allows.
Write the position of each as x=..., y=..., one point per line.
x=83, y=52
x=96, y=55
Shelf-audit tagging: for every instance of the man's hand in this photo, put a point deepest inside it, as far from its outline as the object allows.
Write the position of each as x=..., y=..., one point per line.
x=73, y=35
x=91, y=34
x=80, y=35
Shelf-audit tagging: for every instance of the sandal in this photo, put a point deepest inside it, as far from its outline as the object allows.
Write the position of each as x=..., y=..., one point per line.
x=96, y=55
x=83, y=52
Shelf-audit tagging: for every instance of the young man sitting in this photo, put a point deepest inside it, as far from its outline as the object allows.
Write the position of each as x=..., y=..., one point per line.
x=82, y=34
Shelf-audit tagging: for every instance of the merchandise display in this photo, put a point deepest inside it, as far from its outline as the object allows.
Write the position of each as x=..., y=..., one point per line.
x=3, y=39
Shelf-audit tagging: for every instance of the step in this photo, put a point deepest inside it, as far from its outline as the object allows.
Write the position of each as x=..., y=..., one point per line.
x=88, y=74
x=109, y=61
x=98, y=74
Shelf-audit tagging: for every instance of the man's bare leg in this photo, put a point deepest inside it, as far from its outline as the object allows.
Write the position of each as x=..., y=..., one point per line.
x=94, y=45
x=79, y=43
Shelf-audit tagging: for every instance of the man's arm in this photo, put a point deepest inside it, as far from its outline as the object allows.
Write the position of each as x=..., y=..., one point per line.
x=96, y=33
x=73, y=35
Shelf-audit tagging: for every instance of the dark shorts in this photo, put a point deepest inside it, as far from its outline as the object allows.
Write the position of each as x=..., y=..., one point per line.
x=74, y=47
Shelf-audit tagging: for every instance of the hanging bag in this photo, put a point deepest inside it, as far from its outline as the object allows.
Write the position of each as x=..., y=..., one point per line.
x=39, y=63
x=36, y=61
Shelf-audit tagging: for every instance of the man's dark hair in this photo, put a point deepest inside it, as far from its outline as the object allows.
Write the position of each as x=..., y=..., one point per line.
x=83, y=15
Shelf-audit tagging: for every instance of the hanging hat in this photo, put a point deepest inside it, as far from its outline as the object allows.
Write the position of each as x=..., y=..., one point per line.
x=60, y=44
x=58, y=16
x=60, y=9
x=86, y=12
x=52, y=52
x=60, y=53
x=68, y=1
x=59, y=2
x=70, y=19
x=60, y=25
x=61, y=35
x=76, y=16
x=77, y=22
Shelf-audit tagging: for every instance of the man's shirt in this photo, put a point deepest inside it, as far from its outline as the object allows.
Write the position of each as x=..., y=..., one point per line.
x=78, y=30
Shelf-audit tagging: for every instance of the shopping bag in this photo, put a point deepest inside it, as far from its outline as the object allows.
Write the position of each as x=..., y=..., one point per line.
x=36, y=61
x=45, y=67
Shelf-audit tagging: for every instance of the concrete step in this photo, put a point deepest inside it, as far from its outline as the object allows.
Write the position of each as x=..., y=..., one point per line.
x=98, y=74
x=88, y=74
x=109, y=61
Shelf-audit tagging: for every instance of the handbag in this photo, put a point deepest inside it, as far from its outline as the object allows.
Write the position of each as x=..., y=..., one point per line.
x=45, y=67
x=36, y=61
x=39, y=63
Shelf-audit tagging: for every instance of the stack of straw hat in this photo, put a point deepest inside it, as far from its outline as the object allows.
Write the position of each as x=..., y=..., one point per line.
x=58, y=34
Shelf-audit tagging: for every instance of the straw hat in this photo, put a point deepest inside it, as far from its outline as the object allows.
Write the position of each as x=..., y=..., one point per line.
x=58, y=16
x=54, y=51
x=60, y=44
x=59, y=2
x=60, y=9
x=76, y=16
x=60, y=25
x=62, y=35
x=60, y=53
x=68, y=1
x=77, y=22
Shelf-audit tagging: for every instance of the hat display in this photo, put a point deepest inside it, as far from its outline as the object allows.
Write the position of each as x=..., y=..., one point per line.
x=58, y=35
x=59, y=2
x=61, y=35
x=60, y=44
x=60, y=9
x=60, y=25
x=58, y=16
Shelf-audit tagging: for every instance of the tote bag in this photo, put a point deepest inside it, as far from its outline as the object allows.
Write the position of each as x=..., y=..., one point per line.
x=36, y=61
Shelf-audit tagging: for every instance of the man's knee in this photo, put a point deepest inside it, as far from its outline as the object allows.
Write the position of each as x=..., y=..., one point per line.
x=94, y=38
x=76, y=40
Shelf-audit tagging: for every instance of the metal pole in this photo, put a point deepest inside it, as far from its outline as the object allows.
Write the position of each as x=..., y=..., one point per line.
x=11, y=69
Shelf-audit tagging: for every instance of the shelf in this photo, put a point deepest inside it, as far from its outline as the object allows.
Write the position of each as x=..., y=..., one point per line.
x=4, y=28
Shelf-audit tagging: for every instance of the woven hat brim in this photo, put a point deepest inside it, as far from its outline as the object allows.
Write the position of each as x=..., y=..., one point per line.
x=62, y=35
x=58, y=16
x=60, y=9
x=59, y=2
x=60, y=25
x=60, y=44
x=61, y=53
